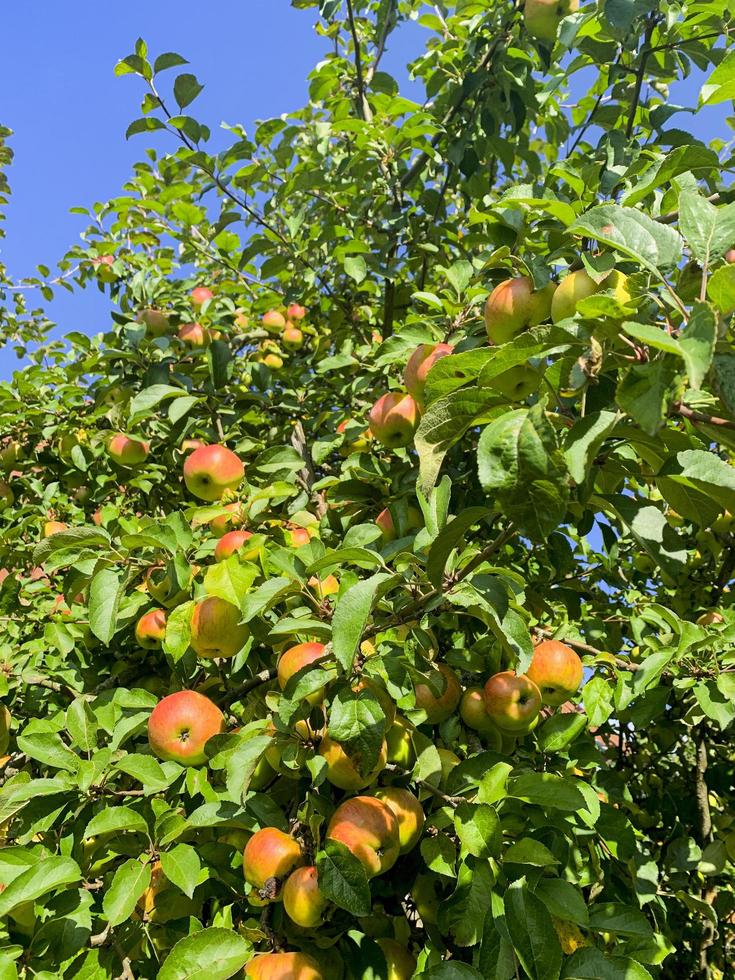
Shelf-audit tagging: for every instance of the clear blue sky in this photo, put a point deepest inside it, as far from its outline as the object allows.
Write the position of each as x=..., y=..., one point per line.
x=69, y=112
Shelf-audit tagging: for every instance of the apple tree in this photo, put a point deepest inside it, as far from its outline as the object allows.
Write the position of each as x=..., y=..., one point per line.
x=366, y=588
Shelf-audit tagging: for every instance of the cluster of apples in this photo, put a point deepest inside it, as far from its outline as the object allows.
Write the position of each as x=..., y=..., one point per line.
x=192, y=334
x=285, y=323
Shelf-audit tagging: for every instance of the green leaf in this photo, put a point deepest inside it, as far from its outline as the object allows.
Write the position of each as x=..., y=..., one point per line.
x=186, y=89
x=358, y=722
x=239, y=758
x=721, y=289
x=646, y=392
x=656, y=246
x=105, y=594
x=128, y=884
x=146, y=770
x=532, y=932
x=651, y=336
x=443, y=424
x=115, y=819
x=440, y=855
x=520, y=464
x=448, y=539
x=563, y=900
x=527, y=851
x=355, y=267
x=148, y=398
x=230, y=580
x=75, y=538
x=649, y=527
x=262, y=598
x=559, y=731
x=450, y=971
x=182, y=866
x=547, y=790
x=49, y=749
x=592, y=964
x=351, y=616
x=169, y=59
x=709, y=230
x=178, y=631
x=40, y=879
x=583, y=441
x=209, y=954
x=682, y=159
x=342, y=879
x=706, y=472
x=454, y=372
x=462, y=915
x=720, y=86
x=478, y=828
x=82, y=724
x=614, y=917
x=698, y=339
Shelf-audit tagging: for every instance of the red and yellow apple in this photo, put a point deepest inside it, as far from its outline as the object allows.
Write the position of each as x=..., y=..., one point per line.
x=232, y=542
x=180, y=725
x=292, y=337
x=394, y=418
x=283, y=966
x=211, y=470
x=369, y=829
x=150, y=629
x=270, y=854
x=408, y=812
x=53, y=527
x=513, y=306
x=296, y=659
x=296, y=312
x=557, y=672
x=384, y=520
x=200, y=295
x=342, y=769
x=274, y=320
x=216, y=630
x=302, y=899
x=439, y=707
x=513, y=701
x=126, y=450
x=193, y=334
x=421, y=361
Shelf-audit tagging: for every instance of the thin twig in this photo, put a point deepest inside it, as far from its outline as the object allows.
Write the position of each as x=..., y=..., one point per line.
x=700, y=417
x=269, y=674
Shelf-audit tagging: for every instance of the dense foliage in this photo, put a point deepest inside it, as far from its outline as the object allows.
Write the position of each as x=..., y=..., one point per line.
x=573, y=480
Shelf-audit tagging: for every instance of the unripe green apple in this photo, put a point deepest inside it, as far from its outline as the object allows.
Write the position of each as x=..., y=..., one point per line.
x=401, y=964
x=557, y=672
x=517, y=383
x=180, y=725
x=211, y=470
x=579, y=285
x=448, y=760
x=399, y=740
x=156, y=322
x=542, y=17
x=302, y=899
x=514, y=306
x=6, y=720
x=393, y=419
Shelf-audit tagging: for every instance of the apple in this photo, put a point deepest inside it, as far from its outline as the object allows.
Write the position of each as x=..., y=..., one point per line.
x=342, y=769
x=234, y=516
x=473, y=712
x=401, y=964
x=517, y=383
x=418, y=366
x=407, y=811
x=53, y=527
x=233, y=542
x=369, y=829
x=393, y=419
x=283, y=966
x=513, y=701
x=273, y=361
x=242, y=321
x=448, y=760
x=296, y=312
x=359, y=445
x=180, y=725
x=211, y=470
x=399, y=740
x=384, y=520
x=324, y=587
x=193, y=335
x=274, y=321
x=711, y=618
x=513, y=306
x=127, y=451
x=730, y=256
x=542, y=17
x=200, y=295
x=6, y=720
x=297, y=537
x=423, y=893
x=10, y=454
x=303, y=901
x=579, y=285
x=156, y=322
x=216, y=630
x=270, y=854
x=439, y=708
x=151, y=629
x=557, y=672
x=296, y=659
x=102, y=265
x=292, y=337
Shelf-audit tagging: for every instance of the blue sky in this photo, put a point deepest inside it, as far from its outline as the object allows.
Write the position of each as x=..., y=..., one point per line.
x=69, y=112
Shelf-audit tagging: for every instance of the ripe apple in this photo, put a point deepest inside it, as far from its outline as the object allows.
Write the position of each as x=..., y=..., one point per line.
x=369, y=829
x=473, y=712
x=270, y=854
x=216, y=630
x=297, y=537
x=324, y=587
x=730, y=256
x=127, y=451
x=102, y=265
x=296, y=659
x=180, y=725
x=6, y=720
x=234, y=516
x=53, y=527
x=439, y=708
x=513, y=306
x=296, y=312
x=211, y=470
x=342, y=769
x=283, y=966
x=156, y=322
x=399, y=740
x=579, y=285
x=273, y=361
x=419, y=364
x=513, y=701
x=292, y=337
x=542, y=17
x=233, y=541
x=302, y=899
x=193, y=335
x=711, y=618
x=200, y=295
x=274, y=321
x=393, y=419
x=384, y=520
x=401, y=964
x=151, y=629
x=407, y=811
x=557, y=672
x=242, y=321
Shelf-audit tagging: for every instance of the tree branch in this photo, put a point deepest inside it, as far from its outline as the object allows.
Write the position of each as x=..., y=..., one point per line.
x=363, y=104
x=644, y=55
x=262, y=678
x=700, y=418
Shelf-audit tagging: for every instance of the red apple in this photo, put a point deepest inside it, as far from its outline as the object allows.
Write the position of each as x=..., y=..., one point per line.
x=323, y=587
x=211, y=470
x=730, y=255
x=557, y=672
x=200, y=295
x=270, y=854
x=273, y=320
x=419, y=364
x=216, y=630
x=515, y=305
x=283, y=966
x=292, y=337
x=513, y=701
x=369, y=829
x=193, y=335
x=408, y=812
x=393, y=419
x=180, y=725
x=234, y=516
x=385, y=522
x=53, y=527
x=296, y=659
x=296, y=312
x=127, y=451
x=151, y=629
x=297, y=537
x=233, y=541
x=156, y=322
x=302, y=899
